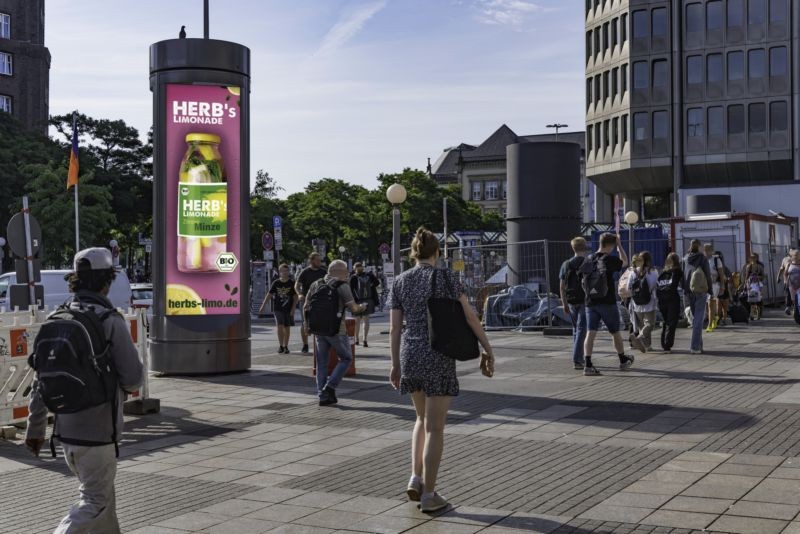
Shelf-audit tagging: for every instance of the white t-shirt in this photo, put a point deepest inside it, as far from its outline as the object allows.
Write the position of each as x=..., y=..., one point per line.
x=713, y=267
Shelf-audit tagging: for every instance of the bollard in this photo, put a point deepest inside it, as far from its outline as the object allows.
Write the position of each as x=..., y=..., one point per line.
x=141, y=403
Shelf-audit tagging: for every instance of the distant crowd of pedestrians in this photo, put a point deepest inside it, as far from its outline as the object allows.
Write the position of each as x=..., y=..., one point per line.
x=596, y=287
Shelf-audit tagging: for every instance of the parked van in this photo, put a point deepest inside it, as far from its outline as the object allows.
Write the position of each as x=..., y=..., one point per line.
x=56, y=290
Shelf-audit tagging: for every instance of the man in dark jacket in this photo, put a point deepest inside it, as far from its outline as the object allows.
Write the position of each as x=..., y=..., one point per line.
x=694, y=260
x=87, y=436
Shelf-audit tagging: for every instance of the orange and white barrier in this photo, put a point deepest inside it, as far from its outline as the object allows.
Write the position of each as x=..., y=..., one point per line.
x=18, y=330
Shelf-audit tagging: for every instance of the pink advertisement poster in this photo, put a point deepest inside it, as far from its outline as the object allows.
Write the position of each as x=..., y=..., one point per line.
x=203, y=189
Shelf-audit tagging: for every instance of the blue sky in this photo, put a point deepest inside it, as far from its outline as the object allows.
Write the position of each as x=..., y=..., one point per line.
x=340, y=88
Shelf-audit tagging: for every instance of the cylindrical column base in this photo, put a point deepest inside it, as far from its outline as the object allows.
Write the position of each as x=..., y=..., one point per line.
x=203, y=357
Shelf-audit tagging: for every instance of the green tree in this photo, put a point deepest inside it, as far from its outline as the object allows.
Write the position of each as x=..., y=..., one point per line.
x=53, y=207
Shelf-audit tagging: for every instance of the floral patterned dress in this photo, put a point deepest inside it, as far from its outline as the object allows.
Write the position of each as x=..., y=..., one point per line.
x=421, y=367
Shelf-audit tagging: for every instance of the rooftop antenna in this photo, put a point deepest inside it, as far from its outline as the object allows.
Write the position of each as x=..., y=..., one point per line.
x=205, y=19
x=557, y=126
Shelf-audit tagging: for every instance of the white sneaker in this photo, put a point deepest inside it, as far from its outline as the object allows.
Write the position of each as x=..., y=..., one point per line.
x=433, y=504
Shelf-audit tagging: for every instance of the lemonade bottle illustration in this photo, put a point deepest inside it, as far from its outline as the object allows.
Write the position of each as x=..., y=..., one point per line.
x=202, y=205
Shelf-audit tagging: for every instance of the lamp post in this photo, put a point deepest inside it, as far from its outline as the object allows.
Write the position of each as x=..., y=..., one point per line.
x=341, y=251
x=631, y=218
x=396, y=195
x=557, y=126
x=114, y=245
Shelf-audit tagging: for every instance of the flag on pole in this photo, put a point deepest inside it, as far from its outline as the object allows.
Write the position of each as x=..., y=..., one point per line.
x=72, y=176
x=616, y=214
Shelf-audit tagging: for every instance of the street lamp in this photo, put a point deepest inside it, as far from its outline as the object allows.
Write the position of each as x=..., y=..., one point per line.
x=557, y=126
x=396, y=195
x=341, y=251
x=631, y=218
x=114, y=244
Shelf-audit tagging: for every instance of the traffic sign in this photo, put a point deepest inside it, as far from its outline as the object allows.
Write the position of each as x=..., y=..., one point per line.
x=16, y=235
x=277, y=221
x=227, y=262
x=267, y=241
x=384, y=248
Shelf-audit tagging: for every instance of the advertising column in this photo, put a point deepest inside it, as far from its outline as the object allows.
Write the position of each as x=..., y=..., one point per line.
x=201, y=258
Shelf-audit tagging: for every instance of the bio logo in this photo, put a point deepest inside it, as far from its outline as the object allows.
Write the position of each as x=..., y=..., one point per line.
x=227, y=262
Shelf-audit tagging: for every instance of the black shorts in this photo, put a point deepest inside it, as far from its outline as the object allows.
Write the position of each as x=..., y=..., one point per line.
x=284, y=318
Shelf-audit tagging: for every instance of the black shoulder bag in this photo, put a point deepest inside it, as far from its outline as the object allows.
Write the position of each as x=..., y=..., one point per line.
x=448, y=330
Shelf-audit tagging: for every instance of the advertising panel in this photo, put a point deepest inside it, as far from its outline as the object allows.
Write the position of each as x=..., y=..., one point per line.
x=203, y=248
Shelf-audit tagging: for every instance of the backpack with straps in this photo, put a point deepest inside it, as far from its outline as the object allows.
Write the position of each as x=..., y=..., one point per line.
x=595, y=281
x=698, y=283
x=574, y=287
x=640, y=290
x=72, y=360
x=322, y=313
x=622, y=287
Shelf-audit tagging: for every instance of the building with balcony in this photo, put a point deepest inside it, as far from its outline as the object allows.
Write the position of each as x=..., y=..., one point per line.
x=24, y=63
x=694, y=97
x=480, y=172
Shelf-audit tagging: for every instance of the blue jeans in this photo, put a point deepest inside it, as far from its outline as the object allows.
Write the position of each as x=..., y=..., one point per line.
x=340, y=344
x=698, y=306
x=577, y=313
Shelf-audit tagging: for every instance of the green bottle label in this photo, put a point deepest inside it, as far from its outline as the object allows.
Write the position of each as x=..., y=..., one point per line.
x=203, y=209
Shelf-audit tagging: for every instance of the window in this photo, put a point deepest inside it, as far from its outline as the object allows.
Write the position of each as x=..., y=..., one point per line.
x=778, y=61
x=505, y=191
x=694, y=18
x=614, y=82
x=476, y=191
x=778, y=117
x=624, y=129
x=5, y=64
x=596, y=42
x=589, y=144
x=605, y=37
x=716, y=121
x=5, y=103
x=755, y=12
x=615, y=131
x=714, y=68
x=5, y=26
x=492, y=192
x=695, y=126
x=757, y=113
x=588, y=45
x=588, y=93
x=641, y=26
x=660, y=79
x=588, y=7
x=640, y=126
x=623, y=28
x=596, y=90
x=736, y=119
x=714, y=15
x=606, y=136
x=660, y=125
x=623, y=78
x=736, y=65
x=597, y=138
x=755, y=64
x=614, y=32
x=778, y=11
x=640, y=75
x=694, y=70
x=659, y=22
x=736, y=14
x=606, y=85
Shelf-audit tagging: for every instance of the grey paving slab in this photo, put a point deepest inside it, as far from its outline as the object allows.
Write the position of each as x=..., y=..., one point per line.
x=699, y=504
x=776, y=490
x=385, y=524
x=748, y=525
x=367, y=505
x=621, y=514
x=765, y=510
x=243, y=525
x=336, y=519
x=282, y=513
x=679, y=519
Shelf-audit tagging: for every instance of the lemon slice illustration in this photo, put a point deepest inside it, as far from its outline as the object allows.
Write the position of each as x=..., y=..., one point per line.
x=234, y=90
x=179, y=293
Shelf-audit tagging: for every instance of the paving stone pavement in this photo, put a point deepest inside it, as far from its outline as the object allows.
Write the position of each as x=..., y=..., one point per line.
x=679, y=444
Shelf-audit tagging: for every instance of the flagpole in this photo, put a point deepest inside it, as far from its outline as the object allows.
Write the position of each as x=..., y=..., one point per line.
x=77, y=223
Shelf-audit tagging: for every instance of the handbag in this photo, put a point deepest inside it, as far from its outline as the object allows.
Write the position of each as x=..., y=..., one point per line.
x=448, y=330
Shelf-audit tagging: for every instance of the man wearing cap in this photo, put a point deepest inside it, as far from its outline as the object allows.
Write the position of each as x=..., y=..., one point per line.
x=94, y=465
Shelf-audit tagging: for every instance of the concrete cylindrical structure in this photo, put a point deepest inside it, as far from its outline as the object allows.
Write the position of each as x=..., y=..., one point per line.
x=201, y=318
x=543, y=204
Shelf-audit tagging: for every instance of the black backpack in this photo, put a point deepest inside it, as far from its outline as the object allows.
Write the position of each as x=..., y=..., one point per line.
x=322, y=312
x=72, y=360
x=574, y=287
x=594, y=281
x=640, y=290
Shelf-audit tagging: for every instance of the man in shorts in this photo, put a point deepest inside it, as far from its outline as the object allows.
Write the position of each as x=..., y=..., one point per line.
x=604, y=308
x=285, y=296
x=308, y=276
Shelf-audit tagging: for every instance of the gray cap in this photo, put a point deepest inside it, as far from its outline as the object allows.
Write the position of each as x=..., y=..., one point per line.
x=99, y=258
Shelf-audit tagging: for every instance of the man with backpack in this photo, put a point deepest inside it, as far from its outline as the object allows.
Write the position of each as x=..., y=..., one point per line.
x=308, y=276
x=697, y=285
x=324, y=310
x=364, y=286
x=85, y=362
x=598, y=272
x=573, y=299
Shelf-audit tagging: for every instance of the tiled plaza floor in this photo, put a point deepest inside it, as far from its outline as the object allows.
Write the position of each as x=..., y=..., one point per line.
x=680, y=443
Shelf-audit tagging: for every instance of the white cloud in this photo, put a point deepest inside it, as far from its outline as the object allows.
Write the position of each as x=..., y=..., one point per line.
x=349, y=25
x=511, y=13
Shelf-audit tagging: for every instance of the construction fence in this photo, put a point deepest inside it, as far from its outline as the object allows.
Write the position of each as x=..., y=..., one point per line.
x=516, y=285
